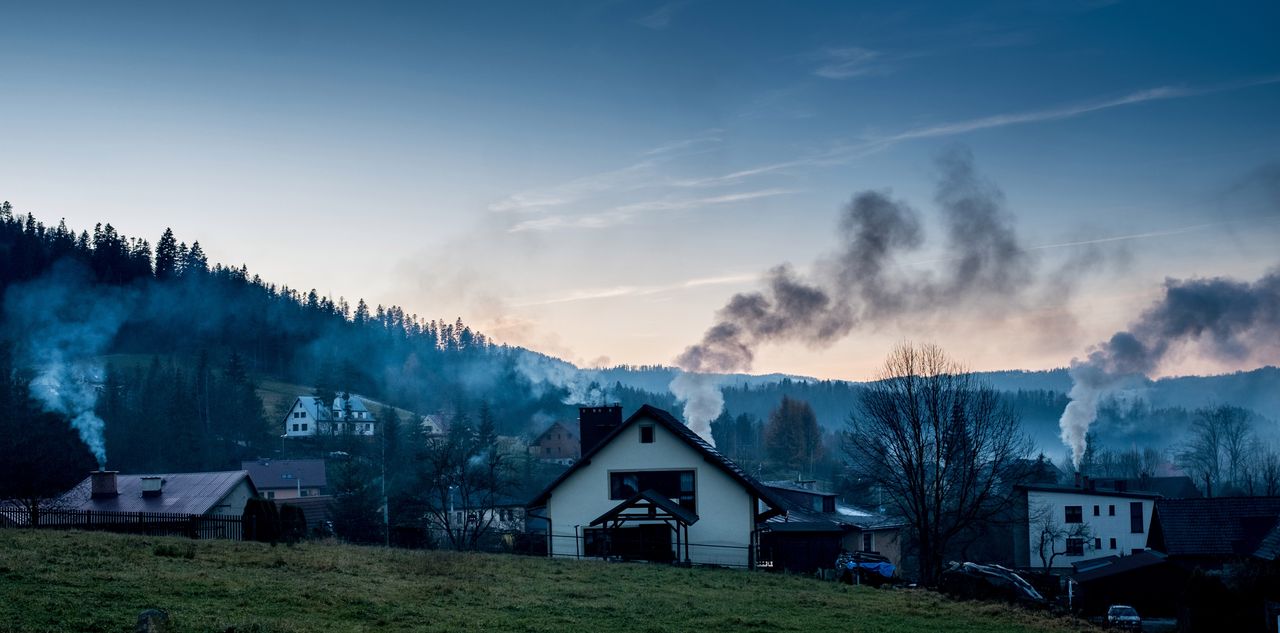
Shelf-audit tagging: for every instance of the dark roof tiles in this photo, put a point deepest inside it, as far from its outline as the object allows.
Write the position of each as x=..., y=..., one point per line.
x=1222, y=526
x=182, y=493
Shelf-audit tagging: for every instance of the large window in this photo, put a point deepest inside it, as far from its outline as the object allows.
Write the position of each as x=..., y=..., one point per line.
x=1075, y=546
x=1075, y=514
x=1136, y=524
x=676, y=485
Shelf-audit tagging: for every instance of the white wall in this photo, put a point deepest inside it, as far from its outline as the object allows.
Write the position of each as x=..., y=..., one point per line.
x=289, y=421
x=1103, y=526
x=726, y=515
x=232, y=504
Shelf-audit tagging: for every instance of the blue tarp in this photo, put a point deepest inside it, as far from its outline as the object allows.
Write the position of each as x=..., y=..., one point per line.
x=884, y=569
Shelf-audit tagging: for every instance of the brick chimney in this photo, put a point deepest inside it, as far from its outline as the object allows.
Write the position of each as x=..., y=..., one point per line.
x=102, y=484
x=596, y=423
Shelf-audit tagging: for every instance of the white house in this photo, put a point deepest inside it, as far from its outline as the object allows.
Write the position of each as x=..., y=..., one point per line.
x=1079, y=522
x=649, y=488
x=347, y=414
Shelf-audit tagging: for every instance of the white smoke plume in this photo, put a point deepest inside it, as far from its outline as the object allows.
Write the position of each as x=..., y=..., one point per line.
x=582, y=387
x=1218, y=318
x=63, y=327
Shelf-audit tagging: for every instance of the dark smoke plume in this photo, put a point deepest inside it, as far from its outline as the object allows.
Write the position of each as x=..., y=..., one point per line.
x=1224, y=319
x=862, y=282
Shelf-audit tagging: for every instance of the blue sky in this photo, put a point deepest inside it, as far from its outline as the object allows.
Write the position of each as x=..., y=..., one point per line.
x=596, y=179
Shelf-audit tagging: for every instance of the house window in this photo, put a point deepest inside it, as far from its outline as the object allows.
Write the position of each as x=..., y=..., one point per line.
x=295, y=426
x=295, y=414
x=1075, y=546
x=304, y=426
x=828, y=504
x=1097, y=543
x=677, y=485
x=646, y=433
x=867, y=542
x=1097, y=510
x=1135, y=517
x=1111, y=510
x=1113, y=543
x=271, y=494
x=302, y=414
x=1075, y=514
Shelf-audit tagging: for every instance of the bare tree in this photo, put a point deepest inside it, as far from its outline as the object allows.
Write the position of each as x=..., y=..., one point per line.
x=940, y=445
x=463, y=477
x=1053, y=537
x=1220, y=438
x=1269, y=472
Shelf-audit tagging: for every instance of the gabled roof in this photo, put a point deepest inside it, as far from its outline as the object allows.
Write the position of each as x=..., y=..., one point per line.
x=275, y=474
x=1122, y=564
x=315, y=407
x=1221, y=526
x=357, y=403
x=183, y=493
x=565, y=427
x=672, y=508
x=1269, y=549
x=684, y=433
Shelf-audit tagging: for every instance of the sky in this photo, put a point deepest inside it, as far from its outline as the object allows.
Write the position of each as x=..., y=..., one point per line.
x=595, y=180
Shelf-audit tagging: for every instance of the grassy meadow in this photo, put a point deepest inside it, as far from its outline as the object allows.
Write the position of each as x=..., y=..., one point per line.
x=77, y=581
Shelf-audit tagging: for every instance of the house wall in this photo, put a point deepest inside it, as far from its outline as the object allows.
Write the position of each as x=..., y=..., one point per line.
x=1102, y=526
x=232, y=503
x=289, y=493
x=726, y=514
x=556, y=443
x=290, y=421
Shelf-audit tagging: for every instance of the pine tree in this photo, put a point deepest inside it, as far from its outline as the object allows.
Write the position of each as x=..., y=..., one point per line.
x=167, y=256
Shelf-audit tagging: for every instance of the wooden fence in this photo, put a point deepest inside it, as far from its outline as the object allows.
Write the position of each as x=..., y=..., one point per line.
x=149, y=523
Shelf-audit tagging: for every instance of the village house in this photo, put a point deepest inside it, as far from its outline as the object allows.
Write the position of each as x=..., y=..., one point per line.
x=649, y=488
x=1211, y=533
x=817, y=528
x=215, y=494
x=1072, y=523
x=310, y=416
x=287, y=478
x=559, y=443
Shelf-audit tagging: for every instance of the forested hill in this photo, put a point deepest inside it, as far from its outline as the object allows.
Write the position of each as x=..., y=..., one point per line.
x=67, y=298
x=89, y=294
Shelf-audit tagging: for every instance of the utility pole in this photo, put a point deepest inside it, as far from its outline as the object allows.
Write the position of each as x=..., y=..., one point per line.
x=386, y=520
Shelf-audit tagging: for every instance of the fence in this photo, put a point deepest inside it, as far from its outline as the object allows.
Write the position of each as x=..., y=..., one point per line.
x=148, y=523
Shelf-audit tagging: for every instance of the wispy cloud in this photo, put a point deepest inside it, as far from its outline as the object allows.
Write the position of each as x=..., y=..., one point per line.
x=611, y=292
x=659, y=19
x=625, y=213
x=858, y=149
x=851, y=61
x=638, y=175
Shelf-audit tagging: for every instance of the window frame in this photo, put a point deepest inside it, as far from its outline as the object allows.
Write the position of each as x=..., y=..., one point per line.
x=1074, y=547
x=691, y=503
x=1073, y=511
x=647, y=434
x=1137, y=522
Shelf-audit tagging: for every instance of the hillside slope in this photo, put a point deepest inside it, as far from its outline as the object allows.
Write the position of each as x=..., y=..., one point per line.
x=100, y=582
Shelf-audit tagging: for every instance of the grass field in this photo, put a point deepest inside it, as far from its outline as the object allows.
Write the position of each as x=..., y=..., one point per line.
x=61, y=581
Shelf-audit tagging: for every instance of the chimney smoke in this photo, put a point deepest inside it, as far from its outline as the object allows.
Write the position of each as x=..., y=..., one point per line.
x=1221, y=319
x=863, y=283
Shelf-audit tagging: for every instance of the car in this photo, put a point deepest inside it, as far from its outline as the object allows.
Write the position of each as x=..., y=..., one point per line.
x=1123, y=617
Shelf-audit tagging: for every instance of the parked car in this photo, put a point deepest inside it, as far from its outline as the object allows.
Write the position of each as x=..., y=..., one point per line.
x=1123, y=617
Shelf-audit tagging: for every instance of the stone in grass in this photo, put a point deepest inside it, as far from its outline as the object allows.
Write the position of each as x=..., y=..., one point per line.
x=153, y=621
